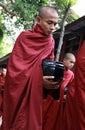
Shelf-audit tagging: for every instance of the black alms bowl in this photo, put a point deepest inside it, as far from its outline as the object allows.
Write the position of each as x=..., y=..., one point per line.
x=53, y=68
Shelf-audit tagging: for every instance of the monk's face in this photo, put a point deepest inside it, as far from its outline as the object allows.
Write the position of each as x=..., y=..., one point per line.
x=48, y=22
x=69, y=63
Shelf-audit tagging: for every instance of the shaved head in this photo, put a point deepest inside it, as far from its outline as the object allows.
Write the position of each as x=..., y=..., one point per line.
x=69, y=60
x=45, y=10
x=69, y=56
x=47, y=19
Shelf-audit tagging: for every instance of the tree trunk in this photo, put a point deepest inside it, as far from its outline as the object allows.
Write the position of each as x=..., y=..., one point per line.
x=62, y=33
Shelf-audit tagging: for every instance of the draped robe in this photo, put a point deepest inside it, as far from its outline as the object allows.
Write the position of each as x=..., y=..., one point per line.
x=68, y=77
x=74, y=114
x=24, y=81
x=53, y=110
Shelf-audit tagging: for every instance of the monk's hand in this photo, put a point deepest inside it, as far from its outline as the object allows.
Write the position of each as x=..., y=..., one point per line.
x=64, y=98
x=49, y=83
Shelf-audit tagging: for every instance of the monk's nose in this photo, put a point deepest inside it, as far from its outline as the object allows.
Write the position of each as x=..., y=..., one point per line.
x=52, y=27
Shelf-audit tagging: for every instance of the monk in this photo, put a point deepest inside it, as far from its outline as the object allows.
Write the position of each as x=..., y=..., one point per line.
x=24, y=78
x=54, y=104
x=74, y=115
x=68, y=61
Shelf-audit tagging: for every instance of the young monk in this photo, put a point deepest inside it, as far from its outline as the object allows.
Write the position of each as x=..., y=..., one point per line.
x=69, y=61
x=24, y=79
x=53, y=105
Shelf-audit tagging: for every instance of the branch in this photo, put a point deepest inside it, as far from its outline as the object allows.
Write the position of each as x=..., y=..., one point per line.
x=12, y=1
x=62, y=33
x=7, y=10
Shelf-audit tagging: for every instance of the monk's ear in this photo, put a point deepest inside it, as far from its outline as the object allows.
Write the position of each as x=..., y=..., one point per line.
x=38, y=19
x=64, y=59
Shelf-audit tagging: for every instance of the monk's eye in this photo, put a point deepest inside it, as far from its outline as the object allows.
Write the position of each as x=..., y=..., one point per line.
x=55, y=24
x=49, y=22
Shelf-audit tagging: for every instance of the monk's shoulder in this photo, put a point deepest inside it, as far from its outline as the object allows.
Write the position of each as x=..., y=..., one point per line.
x=26, y=32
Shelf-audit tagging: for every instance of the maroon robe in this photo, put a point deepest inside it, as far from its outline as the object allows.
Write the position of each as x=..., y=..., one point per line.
x=2, y=80
x=75, y=106
x=53, y=109
x=68, y=77
x=23, y=86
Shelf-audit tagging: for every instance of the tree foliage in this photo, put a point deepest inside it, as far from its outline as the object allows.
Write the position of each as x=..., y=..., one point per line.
x=25, y=10
x=1, y=28
x=67, y=5
x=19, y=14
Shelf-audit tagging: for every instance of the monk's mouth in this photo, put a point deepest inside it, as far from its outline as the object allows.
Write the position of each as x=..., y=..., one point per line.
x=49, y=32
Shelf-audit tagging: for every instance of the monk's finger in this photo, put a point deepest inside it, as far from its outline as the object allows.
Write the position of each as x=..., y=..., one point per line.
x=48, y=77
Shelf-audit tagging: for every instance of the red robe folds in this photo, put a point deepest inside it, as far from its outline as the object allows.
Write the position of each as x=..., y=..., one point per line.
x=23, y=86
x=53, y=109
x=68, y=78
x=75, y=106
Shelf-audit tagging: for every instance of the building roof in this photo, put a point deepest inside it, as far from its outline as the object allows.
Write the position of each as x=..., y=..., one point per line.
x=4, y=60
x=73, y=28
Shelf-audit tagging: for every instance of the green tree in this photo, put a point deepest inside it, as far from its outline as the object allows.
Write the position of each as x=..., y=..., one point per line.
x=5, y=48
x=67, y=4
x=25, y=10
x=22, y=13
x=1, y=28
